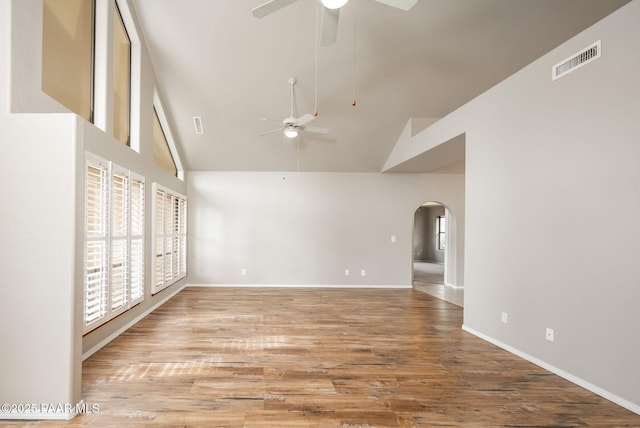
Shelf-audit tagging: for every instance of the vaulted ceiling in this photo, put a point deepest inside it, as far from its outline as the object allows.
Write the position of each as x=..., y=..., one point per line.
x=213, y=59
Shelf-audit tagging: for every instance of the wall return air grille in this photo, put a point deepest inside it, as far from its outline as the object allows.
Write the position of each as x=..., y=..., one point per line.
x=577, y=60
x=197, y=123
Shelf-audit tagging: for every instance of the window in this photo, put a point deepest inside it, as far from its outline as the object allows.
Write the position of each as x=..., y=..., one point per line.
x=75, y=62
x=441, y=234
x=161, y=153
x=114, y=241
x=96, y=233
x=67, y=54
x=137, y=239
x=170, y=237
x=121, y=80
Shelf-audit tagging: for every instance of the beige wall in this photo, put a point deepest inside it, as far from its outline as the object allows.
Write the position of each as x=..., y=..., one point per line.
x=541, y=154
x=307, y=228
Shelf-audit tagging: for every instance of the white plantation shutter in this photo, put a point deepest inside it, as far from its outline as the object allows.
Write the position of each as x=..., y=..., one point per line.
x=183, y=236
x=119, y=281
x=114, y=241
x=137, y=238
x=96, y=236
x=158, y=239
x=170, y=237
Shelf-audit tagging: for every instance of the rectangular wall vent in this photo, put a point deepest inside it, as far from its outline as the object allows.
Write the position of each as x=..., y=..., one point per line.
x=197, y=123
x=576, y=61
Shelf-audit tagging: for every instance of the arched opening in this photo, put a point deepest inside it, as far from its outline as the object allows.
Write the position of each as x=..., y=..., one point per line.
x=434, y=252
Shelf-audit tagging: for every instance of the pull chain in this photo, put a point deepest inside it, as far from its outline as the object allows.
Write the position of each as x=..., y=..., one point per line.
x=355, y=21
x=315, y=108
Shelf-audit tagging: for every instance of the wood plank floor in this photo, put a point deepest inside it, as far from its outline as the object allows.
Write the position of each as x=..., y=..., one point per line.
x=322, y=358
x=452, y=295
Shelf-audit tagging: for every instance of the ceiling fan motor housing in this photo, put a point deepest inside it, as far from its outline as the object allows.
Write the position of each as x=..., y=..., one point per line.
x=289, y=121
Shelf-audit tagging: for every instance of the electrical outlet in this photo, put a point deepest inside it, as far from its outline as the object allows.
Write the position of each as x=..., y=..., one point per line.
x=346, y=272
x=504, y=317
x=549, y=334
x=244, y=271
x=363, y=272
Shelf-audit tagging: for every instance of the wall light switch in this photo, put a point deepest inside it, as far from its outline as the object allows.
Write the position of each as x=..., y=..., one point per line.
x=244, y=272
x=504, y=317
x=393, y=238
x=363, y=272
x=346, y=272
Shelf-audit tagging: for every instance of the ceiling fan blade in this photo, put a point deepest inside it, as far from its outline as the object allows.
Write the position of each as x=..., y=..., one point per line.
x=271, y=120
x=270, y=7
x=305, y=119
x=315, y=130
x=273, y=131
x=399, y=4
x=329, y=26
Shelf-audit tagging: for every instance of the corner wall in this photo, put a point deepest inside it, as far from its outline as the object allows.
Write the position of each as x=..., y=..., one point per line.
x=552, y=173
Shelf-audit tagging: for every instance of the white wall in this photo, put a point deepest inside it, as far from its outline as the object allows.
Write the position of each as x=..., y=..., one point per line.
x=41, y=217
x=39, y=334
x=307, y=228
x=552, y=175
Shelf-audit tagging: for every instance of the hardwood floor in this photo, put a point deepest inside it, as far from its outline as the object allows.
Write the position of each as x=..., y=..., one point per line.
x=452, y=295
x=322, y=358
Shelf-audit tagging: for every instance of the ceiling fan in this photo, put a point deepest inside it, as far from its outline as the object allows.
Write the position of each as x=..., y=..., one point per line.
x=292, y=126
x=330, y=15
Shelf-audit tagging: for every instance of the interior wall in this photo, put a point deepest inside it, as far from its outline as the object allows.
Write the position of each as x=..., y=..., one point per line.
x=308, y=228
x=545, y=153
x=425, y=247
x=39, y=332
x=538, y=144
x=41, y=218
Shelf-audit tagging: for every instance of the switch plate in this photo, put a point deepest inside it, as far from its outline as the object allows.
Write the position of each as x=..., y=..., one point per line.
x=346, y=272
x=244, y=271
x=363, y=272
x=549, y=334
x=504, y=317
x=393, y=238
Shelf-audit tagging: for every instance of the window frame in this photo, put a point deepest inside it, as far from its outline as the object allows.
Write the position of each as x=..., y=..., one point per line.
x=92, y=67
x=117, y=15
x=441, y=230
x=158, y=107
x=169, y=236
x=110, y=239
x=156, y=117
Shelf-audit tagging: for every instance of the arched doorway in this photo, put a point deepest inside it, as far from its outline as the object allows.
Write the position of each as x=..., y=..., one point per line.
x=434, y=253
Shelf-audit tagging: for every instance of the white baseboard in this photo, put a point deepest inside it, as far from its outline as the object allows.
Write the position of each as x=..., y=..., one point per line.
x=127, y=326
x=635, y=408
x=297, y=286
x=454, y=286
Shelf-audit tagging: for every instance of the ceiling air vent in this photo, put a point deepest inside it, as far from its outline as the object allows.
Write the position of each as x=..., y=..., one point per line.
x=576, y=61
x=197, y=123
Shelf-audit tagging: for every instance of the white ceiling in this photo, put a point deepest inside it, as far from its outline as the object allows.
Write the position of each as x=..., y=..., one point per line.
x=215, y=60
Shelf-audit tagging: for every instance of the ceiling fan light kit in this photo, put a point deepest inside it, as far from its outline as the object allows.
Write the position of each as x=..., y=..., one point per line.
x=334, y=4
x=290, y=132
